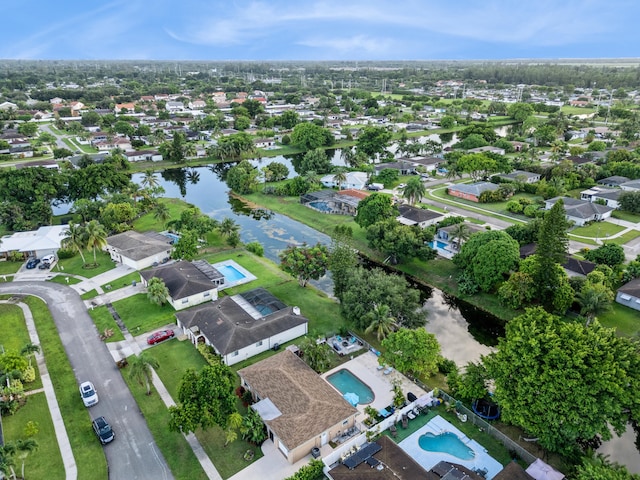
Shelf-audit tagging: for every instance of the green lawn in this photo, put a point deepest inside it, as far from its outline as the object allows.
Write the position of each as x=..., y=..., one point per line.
x=75, y=265
x=625, y=237
x=175, y=358
x=622, y=215
x=87, y=451
x=9, y=267
x=140, y=315
x=570, y=110
x=46, y=461
x=495, y=207
x=148, y=222
x=624, y=319
x=122, y=282
x=104, y=321
x=598, y=230
x=323, y=313
x=65, y=280
x=89, y=295
x=13, y=330
x=174, y=447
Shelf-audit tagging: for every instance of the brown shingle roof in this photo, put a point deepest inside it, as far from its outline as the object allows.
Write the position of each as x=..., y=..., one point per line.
x=513, y=471
x=309, y=405
x=230, y=328
x=182, y=279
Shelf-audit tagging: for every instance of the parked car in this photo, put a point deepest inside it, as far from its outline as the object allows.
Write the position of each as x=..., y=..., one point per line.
x=89, y=394
x=49, y=259
x=160, y=336
x=32, y=262
x=402, y=185
x=44, y=266
x=103, y=430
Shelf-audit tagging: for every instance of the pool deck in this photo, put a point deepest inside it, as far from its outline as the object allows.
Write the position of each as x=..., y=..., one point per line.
x=428, y=460
x=365, y=367
x=248, y=276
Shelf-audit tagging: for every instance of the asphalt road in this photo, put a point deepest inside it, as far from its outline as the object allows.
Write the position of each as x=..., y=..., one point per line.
x=59, y=142
x=133, y=454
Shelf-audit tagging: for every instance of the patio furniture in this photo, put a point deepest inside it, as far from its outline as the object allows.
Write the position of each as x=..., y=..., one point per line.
x=411, y=415
x=405, y=421
x=388, y=370
x=393, y=430
x=384, y=413
x=381, y=367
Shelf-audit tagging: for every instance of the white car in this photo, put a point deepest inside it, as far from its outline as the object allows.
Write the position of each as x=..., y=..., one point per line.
x=88, y=394
x=48, y=259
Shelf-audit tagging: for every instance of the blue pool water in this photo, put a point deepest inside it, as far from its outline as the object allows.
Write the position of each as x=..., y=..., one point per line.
x=231, y=273
x=322, y=206
x=446, y=442
x=172, y=236
x=438, y=244
x=346, y=382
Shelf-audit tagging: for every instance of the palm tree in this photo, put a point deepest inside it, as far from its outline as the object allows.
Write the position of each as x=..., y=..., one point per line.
x=594, y=300
x=157, y=291
x=7, y=452
x=414, y=190
x=142, y=369
x=96, y=237
x=75, y=238
x=161, y=212
x=312, y=177
x=24, y=448
x=234, y=422
x=339, y=178
x=149, y=179
x=228, y=227
x=459, y=234
x=29, y=349
x=382, y=321
x=190, y=149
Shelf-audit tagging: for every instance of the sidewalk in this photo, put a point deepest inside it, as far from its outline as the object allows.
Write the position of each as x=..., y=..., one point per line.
x=102, y=279
x=70, y=468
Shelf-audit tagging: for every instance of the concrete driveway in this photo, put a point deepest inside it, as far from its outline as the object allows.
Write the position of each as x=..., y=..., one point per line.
x=133, y=454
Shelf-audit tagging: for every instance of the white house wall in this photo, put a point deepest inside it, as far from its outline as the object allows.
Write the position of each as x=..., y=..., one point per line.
x=266, y=344
x=197, y=299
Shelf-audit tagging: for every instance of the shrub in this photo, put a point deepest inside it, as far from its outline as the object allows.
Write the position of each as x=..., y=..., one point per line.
x=255, y=248
x=446, y=366
x=64, y=253
x=514, y=206
x=531, y=210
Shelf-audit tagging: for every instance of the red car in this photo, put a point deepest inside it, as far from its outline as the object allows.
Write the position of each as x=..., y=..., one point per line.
x=160, y=336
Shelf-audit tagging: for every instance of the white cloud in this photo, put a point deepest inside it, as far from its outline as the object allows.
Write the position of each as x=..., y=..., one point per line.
x=358, y=44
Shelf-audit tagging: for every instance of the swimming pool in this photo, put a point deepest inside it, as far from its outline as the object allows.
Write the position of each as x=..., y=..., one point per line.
x=347, y=382
x=438, y=244
x=322, y=206
x=446, y=442
x=231, y=273
x=172, y=236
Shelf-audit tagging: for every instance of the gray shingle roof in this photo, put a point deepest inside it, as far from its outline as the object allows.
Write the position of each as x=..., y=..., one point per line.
x=418, y=215
x=182, y=279
x=137, y=246
x=474, y=188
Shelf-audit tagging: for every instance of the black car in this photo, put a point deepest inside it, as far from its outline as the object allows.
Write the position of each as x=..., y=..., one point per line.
x=103, y=430
x=32, y=262
x=44, y=266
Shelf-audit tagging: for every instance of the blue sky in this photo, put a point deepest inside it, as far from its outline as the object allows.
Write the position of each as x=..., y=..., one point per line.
x=319, y=29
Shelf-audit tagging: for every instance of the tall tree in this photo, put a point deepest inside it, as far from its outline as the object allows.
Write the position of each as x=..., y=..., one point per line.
x=553, y=245
x=381, y=321
x=141, y=369
x=75, y=238
x=374, y=208
x=342, y=260
x=96, y=237
x=412, y=351
x=373, y=141
x=205, y=399
x=414, y=191
x=157, y=291
x=304, y=262
x=573, y=382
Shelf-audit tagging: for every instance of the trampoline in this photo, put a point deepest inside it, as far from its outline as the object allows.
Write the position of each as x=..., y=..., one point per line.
x=486, y=409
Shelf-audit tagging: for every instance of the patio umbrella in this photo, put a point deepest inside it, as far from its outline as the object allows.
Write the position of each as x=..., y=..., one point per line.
x=352, y=398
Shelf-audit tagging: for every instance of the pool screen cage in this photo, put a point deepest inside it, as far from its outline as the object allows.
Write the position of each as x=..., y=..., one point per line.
x=316, y=196
x=259, y=298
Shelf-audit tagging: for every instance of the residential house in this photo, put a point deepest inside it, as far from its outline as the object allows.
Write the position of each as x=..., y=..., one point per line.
x=264, y=142
x=579, y=211
x=37, y=243
x=4, y=106
x=144, y=156
x=572, y=266
x=410, y=215
x=241, y=326
x=39, y=163
x=608, y=196
x=471, y=191
x=578, y=161
x=299, y=408
x=353, y=180
x=128, y=107
x=342, y=202
x=197, y=104
x=629, y=294
x=520, y=176
x=513, y=471
x=614, y=181
x=187, y=284
x=631, y=186
x=139, y=250
x=118, y=142
x=445, y=234
x=174, y=106
x=487, y=149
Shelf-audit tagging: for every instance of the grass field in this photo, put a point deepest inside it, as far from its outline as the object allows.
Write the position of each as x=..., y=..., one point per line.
x=7, y=267
x=599, y=230
x=629, y=217
x=104, y=321
x=65, y=280
x=625, y=237
x=141, y=316
x=75, y=265
x=122, y=282
x=623, y=319
x=148, y=222
x=13, y=330
x=569, y=110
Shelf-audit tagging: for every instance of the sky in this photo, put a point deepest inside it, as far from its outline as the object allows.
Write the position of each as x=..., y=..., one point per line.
x=319, y=29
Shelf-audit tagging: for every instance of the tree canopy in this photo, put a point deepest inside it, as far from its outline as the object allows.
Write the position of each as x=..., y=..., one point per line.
x=304, y=262
x=563, y=382
x=374, y=208
x=414, y=351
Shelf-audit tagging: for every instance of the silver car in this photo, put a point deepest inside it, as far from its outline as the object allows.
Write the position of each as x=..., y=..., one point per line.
x=88, y=394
